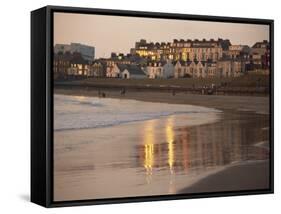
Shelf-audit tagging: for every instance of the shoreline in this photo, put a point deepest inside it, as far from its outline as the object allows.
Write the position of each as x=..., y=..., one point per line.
x=230, y=105
x=156, y=111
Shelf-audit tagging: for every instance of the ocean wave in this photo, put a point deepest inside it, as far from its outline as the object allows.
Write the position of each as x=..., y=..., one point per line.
x=73, y=112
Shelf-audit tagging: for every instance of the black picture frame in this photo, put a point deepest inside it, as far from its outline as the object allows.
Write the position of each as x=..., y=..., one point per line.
x=42, y=104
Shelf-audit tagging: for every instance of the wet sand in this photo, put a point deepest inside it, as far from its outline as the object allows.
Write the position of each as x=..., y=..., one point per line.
x=156, y=157
x=234, y=178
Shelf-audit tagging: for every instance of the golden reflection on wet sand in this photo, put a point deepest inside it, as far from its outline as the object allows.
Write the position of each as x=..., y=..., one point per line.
x=149, y=141
x=170, y=141
x=201, y=147
x=171, y=153
x=149, y=148
x=153, y=157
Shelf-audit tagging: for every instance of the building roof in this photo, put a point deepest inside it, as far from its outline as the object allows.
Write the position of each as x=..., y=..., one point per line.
x=78, y=59
x=263, y=44
x=74, y=58
x=122, y=67
x=159, y=63
x=196, y=43
x=134, y=69
x=67, y=56
x=224, y=43
x=102, y=62
x=182, y=62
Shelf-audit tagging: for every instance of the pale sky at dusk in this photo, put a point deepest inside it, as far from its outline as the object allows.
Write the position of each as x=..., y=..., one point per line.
x=118, y=34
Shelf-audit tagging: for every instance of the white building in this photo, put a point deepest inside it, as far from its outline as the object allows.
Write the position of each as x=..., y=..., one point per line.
x=125, y=71
x=211, y=69
x=168, y=69
x=87, y=52
x=190, y=69
x=200, y=69
x=115, y=70
x=182, y=69
x=160, y=70
x=133, y=72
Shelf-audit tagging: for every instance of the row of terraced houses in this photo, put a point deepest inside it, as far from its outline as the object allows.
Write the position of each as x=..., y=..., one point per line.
x=177, y=59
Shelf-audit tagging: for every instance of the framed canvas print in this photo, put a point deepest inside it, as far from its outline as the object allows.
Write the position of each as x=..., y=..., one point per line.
x=138, y=106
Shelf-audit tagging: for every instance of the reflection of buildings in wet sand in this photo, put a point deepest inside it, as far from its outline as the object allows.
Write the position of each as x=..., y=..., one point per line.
x=197, y=148
x=169, y=129
x=149, y=146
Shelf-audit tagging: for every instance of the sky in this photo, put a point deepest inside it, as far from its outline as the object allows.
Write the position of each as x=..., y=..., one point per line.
x=119, y=34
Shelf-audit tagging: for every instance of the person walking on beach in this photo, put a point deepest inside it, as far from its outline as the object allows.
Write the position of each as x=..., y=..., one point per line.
x=203, y=90
x=123, y=91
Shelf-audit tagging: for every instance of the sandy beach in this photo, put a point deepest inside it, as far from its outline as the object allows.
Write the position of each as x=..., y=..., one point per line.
x=170, y=154
x=236, y=177
x=258, y=104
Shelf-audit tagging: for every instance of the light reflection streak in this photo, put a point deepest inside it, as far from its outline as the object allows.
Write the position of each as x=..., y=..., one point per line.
x=170, y=141
x=149, y=146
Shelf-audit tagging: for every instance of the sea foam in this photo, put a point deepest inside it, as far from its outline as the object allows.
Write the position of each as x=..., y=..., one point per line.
x=79, y=112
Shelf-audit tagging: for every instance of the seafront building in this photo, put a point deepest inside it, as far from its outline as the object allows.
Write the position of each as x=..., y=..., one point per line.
x=70, y=65
x=177, y=59
x=260, y=56
x=126, y=71
x=186, y=50
x=86, y=51
x=161, y=69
